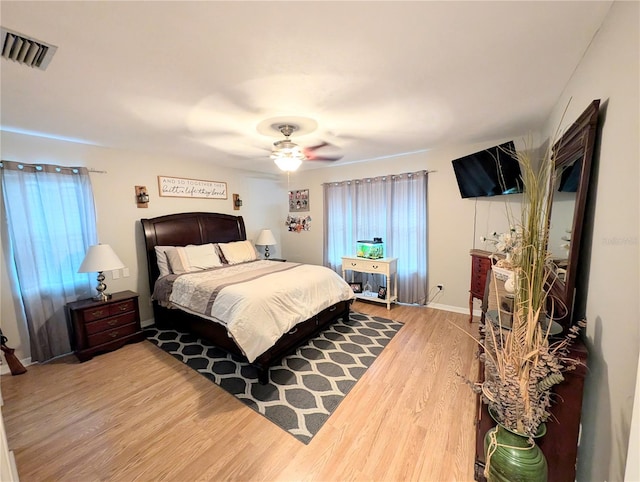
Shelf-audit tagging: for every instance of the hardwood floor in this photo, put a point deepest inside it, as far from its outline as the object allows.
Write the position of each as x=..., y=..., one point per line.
x=139, y=414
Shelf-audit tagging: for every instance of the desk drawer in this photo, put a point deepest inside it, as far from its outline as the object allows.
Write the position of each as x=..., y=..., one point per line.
x=366, y=265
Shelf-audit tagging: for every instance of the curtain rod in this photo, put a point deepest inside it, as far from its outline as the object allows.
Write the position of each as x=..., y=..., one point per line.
x=384, y=176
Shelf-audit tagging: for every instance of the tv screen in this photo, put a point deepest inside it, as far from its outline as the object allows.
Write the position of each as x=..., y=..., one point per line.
x=491, y=172
x=570, y=178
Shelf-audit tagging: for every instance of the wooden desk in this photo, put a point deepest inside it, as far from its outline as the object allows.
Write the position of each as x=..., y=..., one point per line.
x=385, y=266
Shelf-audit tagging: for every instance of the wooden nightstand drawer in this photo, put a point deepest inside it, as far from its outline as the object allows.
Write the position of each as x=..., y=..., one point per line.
x=123, y=307
x=112, y=335
x=96, y=313
x=109, y=323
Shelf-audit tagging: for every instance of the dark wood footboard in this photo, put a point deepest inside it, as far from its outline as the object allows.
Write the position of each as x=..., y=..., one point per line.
x=218, y=335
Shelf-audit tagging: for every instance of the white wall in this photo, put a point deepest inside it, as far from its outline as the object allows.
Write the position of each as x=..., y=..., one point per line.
x=455, y=224
x=609, y=71
x=264, y=199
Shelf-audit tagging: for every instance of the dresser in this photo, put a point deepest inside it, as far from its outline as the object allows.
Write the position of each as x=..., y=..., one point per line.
x=101, y=326
x=560, y=444
x=388, y=267
x=480, y=266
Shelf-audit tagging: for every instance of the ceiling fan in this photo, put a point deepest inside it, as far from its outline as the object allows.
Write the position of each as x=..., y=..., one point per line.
x=288, y=155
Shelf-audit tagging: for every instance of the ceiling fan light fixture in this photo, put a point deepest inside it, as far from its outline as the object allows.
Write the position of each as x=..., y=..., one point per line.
x=288, y=161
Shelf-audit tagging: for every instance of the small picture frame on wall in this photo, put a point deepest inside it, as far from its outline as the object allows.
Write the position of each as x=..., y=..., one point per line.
x=356, y=287
x=382, y=292
x=299, y=200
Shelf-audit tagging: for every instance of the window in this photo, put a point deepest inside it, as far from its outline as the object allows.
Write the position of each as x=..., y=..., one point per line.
x=51, y=222
x=393, y=208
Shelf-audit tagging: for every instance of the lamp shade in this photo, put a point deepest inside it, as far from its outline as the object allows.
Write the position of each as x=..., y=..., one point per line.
x=266, y=238
x=100, y=257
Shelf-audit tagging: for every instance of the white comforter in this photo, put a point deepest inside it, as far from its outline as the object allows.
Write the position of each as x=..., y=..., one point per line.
x=258, y=301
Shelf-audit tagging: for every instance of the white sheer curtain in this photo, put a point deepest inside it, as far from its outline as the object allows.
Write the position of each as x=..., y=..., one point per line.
x=392, y=207
x=51, y=222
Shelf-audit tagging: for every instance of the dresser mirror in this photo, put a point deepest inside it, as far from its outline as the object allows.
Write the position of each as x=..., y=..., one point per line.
x=573, y=153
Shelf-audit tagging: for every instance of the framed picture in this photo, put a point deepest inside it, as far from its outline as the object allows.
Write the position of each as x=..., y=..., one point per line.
x=356, y=287
x=298, y=200
x=382, y=292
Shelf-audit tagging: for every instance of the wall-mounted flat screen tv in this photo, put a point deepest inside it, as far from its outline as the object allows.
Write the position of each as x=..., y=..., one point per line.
x=491, y=172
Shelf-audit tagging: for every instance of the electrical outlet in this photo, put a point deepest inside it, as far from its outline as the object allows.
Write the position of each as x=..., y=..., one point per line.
x=125, y=272
x=440, y=287
x=115, y=274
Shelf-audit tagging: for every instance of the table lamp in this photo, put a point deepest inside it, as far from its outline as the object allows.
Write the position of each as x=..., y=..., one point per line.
x=99, y=258
x=266, y=239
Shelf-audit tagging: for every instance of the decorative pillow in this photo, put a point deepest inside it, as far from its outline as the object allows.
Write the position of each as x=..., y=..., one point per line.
x=163, y=262
x=192, y=258
x=238, y=251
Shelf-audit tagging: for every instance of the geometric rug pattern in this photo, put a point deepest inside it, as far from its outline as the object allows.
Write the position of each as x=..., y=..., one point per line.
x=307, y=386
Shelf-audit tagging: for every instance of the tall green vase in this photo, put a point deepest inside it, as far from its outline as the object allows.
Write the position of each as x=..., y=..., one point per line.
x=511, y=458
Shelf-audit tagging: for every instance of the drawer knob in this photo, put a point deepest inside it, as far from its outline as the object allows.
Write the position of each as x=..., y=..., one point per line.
x=374, y=266
x=354, y=264
x=113, y=334
x=123, y=308
x=98, y=312
x=112, y=322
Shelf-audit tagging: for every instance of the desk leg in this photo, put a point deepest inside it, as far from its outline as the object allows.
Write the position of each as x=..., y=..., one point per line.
x=387, y=296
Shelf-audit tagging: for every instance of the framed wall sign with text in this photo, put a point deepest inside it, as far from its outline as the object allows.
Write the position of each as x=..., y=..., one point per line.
x=194, y=188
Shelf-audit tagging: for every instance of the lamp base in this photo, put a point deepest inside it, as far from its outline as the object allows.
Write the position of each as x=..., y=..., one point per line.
x=266, y=252
x=101, y=296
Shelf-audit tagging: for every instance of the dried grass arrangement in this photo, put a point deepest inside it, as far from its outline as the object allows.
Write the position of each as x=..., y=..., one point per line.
x=523, y=364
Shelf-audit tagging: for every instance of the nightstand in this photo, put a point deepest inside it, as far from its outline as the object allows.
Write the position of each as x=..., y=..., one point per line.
x=276, y=259
x=101, y=326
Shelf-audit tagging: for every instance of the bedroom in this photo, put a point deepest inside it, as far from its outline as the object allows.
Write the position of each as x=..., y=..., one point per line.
x=608, y=71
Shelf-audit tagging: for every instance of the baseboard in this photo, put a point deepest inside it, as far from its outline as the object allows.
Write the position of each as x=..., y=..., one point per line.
x=147, y=323
x=454, y=309
x=5, y=370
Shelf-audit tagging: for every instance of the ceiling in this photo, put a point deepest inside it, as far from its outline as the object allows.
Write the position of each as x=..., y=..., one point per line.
x=206, y=80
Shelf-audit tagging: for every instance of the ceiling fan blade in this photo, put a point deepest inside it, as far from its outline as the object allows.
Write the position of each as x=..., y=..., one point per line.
x=324, y=158
x=311, y=154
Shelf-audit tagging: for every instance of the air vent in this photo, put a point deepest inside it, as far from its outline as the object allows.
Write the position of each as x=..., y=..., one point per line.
x=25, y=50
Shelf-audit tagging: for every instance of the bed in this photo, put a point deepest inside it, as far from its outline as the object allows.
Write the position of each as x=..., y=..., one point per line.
x=199, y=228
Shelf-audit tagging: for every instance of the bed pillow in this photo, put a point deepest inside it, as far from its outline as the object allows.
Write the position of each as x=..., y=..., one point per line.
x=238, y=251
x=192, y=258
x=163, y=262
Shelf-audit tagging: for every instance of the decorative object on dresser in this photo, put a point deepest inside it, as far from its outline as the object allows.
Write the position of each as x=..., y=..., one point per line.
x=307, y=385
x=178, y=231
x=546, y=368
x=101, y=326
x=99, y=258
x=480, y=265
x=266, y=239
x=387, y=267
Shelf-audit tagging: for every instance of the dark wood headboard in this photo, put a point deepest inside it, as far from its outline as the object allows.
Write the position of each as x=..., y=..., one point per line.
x=188, y=228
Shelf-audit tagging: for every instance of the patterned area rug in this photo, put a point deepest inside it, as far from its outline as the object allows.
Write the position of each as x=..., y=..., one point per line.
x=307, y=386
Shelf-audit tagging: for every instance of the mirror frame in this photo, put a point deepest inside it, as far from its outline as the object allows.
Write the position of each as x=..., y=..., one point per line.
x=575, y=145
